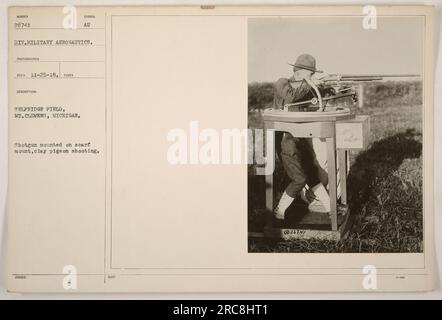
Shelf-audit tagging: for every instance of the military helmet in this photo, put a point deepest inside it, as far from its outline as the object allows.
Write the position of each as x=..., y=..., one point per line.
x=305, y=61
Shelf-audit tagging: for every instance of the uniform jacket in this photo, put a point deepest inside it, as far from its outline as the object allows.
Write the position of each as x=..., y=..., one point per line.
x=297, y=154
x=289, y=91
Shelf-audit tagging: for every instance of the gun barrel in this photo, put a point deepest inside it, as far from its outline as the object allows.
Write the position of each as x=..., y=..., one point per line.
x=360, y=78
x=377, y=75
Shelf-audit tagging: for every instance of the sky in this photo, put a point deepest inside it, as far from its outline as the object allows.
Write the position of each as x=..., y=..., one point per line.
x=340, y=45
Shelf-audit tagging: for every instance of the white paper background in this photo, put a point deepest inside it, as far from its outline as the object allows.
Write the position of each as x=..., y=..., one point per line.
x=437, y=294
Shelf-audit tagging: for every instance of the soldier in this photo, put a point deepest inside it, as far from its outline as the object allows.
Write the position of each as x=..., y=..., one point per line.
x=297, y=154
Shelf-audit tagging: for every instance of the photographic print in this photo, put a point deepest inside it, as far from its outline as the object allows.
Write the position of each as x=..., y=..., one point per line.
x=221, y=149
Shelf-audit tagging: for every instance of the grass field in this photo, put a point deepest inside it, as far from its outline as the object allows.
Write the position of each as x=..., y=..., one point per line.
x=384, y=183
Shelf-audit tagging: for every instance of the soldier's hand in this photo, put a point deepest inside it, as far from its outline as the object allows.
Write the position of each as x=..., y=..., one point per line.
x=310, y=195
x=317, y=82
x=318, y=78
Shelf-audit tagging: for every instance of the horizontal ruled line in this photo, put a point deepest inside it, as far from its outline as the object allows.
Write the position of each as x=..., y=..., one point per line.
x=57, y=28
x=56, y=78
x=58, y=61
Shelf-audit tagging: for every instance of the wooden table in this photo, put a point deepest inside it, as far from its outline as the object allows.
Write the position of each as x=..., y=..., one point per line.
x=342, y=132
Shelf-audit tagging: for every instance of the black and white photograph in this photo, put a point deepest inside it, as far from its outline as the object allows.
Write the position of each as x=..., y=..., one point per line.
x=340, y=101
x=279, y=151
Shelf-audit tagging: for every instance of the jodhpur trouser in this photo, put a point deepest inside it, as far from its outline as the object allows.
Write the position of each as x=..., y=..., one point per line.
x=300, y=163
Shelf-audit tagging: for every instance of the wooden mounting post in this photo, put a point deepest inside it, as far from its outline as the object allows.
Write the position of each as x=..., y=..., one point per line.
x=331, y=163
x=360, y=95
x=269, y=178
x=342, y=158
